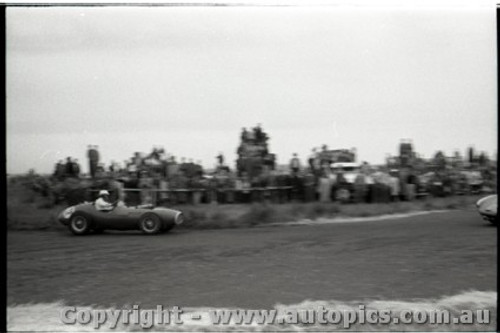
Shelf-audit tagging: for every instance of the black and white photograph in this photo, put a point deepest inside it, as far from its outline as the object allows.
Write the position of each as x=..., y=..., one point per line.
x=260, y=166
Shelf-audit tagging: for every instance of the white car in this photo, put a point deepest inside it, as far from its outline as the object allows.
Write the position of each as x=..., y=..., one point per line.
x=349, y=169
x=487, y=208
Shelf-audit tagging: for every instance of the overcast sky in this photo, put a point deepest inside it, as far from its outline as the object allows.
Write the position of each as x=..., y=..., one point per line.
x=189, y=78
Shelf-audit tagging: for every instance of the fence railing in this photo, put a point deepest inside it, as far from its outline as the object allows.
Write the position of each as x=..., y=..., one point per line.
x=193, y=195
x=274, y=194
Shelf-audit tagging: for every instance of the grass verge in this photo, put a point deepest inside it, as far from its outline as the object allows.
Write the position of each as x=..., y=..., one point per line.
x=239, y=216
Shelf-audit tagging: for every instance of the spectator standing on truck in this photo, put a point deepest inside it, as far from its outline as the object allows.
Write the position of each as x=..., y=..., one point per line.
x=260, y=136
x=69, y=167
x=295, y=164
x=244, y=135
x=76, y=168
x=93, y=156
x=311, y=159
x=324, y=156
x=59, y=170
x=220, y=159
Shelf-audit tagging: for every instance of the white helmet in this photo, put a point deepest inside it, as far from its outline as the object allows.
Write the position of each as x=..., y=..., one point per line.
x=103, y=192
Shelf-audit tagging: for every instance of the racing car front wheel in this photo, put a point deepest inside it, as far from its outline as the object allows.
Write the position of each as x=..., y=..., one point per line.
x=79, y=225
x=150, y=224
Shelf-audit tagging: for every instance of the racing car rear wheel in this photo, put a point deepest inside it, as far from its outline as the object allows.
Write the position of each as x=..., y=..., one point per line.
x=79, y=224
x=150, y=224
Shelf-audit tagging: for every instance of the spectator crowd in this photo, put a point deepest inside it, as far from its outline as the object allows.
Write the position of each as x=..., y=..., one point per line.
x=325, y=176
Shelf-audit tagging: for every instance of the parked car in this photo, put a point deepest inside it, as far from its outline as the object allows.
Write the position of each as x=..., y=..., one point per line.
x=487, y=208
x=83, y=218
x=350, y=171
x=474, y=181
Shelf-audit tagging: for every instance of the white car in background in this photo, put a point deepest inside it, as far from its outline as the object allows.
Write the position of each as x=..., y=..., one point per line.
x=487, y=208
x=349, y=169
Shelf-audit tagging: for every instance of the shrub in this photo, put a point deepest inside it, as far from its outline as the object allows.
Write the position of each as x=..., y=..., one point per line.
x=316, y=210
x=45, y=204
x=29, y=198
x=258, y=214
x=429, y=204
x=334, y=209
x=296, y=210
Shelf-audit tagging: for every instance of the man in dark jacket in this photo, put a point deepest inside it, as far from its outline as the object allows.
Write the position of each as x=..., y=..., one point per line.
x=93, y=156
x=69, y=167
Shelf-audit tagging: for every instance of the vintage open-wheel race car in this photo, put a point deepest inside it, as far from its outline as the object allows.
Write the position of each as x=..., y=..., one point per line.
x=84, y=218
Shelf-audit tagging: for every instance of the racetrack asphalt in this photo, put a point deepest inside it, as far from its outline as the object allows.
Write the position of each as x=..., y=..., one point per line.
x=426, y=256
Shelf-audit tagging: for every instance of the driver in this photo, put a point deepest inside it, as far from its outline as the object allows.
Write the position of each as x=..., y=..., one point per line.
x=102, y=203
